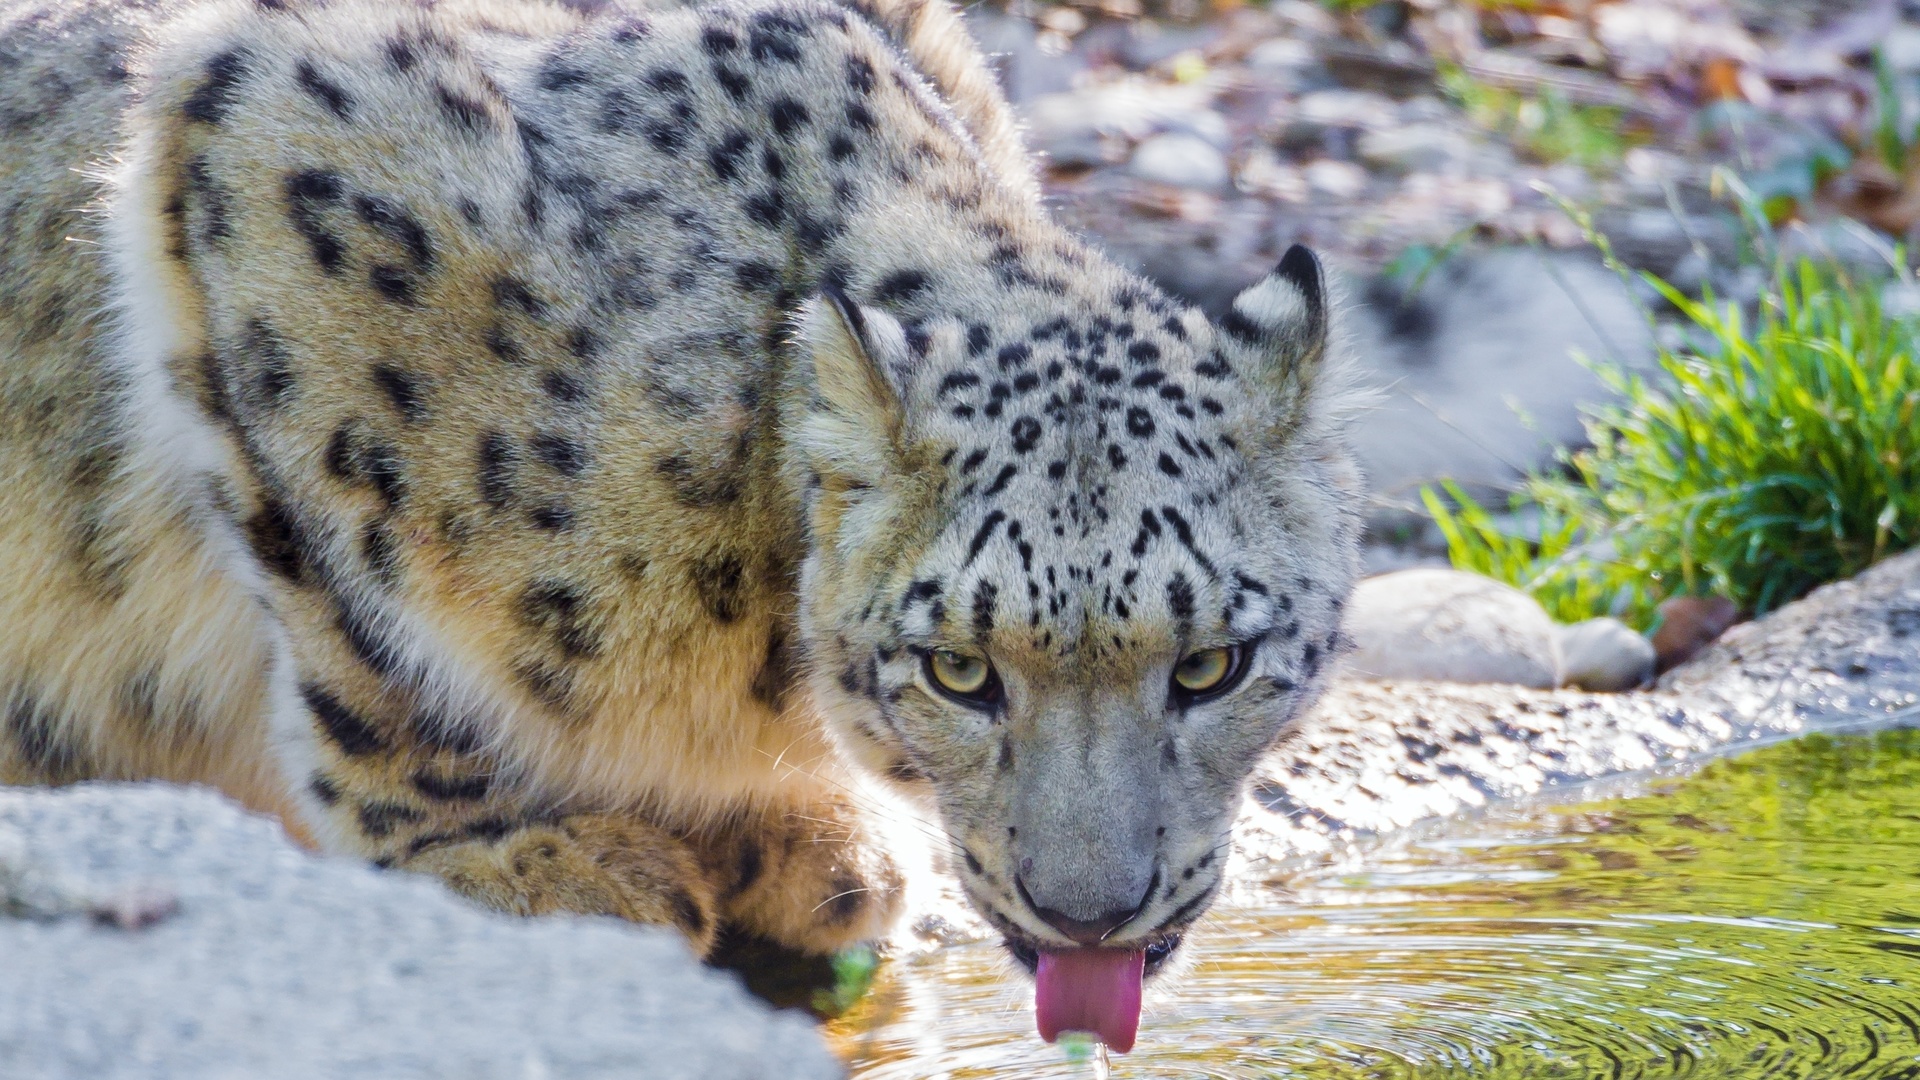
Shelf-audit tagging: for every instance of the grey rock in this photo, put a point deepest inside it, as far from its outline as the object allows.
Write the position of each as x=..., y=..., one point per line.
x=1393, y=67
x=1847, y=244
x=152, y=932
x=1450, y=625
x=1178, y=159
x=1652, y=238
x=1605, y=656
x=1340, y=179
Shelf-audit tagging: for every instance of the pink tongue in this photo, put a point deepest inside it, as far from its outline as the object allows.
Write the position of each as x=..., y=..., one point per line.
x=1096, y=990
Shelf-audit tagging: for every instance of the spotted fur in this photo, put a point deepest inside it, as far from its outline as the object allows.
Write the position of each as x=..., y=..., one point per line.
x=536, y=445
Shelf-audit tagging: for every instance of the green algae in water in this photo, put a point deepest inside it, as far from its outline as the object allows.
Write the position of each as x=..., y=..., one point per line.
x=1760, y=918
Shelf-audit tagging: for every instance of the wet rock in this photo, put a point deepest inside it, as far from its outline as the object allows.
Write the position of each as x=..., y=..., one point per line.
x=1178, y=159
x=1450, y=625
x=1689, y=624
x=149, y=931
x=1605, y=656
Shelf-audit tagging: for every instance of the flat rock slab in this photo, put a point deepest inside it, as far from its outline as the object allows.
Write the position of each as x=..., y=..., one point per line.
x=156, y=932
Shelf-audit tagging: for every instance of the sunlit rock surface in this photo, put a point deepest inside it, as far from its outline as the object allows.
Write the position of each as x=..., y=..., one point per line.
x=1380, y=756
x=156, y=932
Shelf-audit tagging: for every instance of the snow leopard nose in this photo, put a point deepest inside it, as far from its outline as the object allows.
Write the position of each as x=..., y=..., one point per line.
x=1087, y=931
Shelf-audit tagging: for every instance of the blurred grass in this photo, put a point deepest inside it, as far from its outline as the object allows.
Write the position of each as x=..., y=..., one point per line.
x=1545, y=125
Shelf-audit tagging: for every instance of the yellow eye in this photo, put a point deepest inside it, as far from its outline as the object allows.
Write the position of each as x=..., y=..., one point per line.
x=960, y=674
x=1207, y=670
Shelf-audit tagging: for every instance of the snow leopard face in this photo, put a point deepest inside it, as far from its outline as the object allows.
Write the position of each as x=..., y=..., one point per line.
x=1072, y=577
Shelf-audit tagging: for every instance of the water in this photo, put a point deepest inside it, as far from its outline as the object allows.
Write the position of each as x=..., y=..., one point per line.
x=1760, y=918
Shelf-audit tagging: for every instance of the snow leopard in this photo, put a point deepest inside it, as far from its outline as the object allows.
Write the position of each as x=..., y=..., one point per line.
x=569, y=449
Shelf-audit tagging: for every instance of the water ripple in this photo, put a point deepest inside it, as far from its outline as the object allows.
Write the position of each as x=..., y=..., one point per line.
x=1760, y=919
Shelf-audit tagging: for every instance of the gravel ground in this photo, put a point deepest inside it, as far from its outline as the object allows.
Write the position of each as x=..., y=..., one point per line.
x=1423, y=147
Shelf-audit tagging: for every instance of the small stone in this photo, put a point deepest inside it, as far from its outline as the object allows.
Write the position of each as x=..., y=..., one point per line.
x=1288, y=65
x=1450, y=626
x=1281, y=54
x=1340, y=179
x=1265, y=173
x=1413, y=148
x=1305, y=16
x=1605, y=656
x=1346, y=108
x=1179, y=159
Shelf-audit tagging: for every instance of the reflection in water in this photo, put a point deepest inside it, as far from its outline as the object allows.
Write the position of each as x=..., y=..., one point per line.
x=1758, y=919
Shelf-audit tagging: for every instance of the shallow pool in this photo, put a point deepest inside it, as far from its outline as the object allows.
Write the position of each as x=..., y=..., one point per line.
x=1759, y=918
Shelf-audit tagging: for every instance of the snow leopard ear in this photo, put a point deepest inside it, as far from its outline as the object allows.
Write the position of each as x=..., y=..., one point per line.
x=1281, y=320
x=1284, y=312
x=853, y=430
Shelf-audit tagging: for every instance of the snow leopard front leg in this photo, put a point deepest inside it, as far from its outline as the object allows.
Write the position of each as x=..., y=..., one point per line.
x=804, y=873
x=412, y=791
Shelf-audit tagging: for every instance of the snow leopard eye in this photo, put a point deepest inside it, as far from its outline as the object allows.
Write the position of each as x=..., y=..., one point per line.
x=1209, y=672
x=969, y=680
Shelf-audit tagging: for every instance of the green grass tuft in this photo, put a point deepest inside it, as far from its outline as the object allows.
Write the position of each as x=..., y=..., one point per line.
x=1765, y=459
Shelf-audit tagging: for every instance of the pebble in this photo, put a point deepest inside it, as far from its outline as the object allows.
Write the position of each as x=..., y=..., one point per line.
x=1180, y=159
x=1340, y=179
x=1265, y=173
x=1605, y=656
x=1345, y=108
x=1414, y=148
x=1282, y=54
